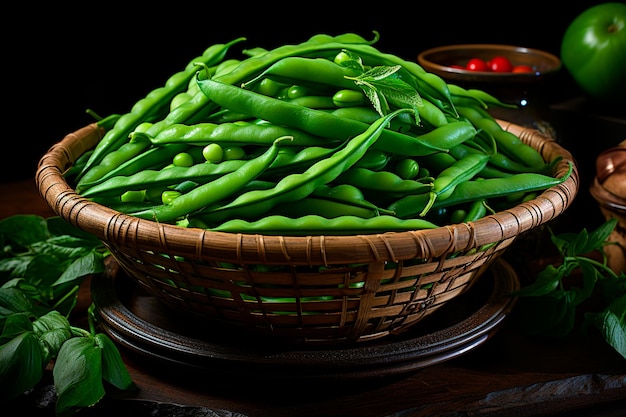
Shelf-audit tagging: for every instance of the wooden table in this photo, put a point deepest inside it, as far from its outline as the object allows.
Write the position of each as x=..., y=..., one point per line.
x=508, y=375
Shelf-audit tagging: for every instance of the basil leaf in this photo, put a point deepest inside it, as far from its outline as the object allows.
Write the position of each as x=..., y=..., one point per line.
x=113, y=369
x=23, y=229
x=21, y=365
x=77, y=375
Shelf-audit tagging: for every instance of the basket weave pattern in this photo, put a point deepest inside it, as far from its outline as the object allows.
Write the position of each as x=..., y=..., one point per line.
x=303, y=290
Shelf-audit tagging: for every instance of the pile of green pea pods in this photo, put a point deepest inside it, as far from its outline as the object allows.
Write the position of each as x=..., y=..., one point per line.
x=330, y=136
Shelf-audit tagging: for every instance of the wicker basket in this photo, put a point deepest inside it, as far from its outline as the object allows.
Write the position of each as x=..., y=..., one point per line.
x=309, y=290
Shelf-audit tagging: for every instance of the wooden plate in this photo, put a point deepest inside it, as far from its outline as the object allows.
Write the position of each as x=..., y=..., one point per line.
x=139, y=322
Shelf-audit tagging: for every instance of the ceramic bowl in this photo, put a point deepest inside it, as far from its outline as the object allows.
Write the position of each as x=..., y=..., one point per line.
x=442, y=60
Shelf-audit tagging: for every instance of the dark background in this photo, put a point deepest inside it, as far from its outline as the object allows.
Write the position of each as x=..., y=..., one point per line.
x=61, y=62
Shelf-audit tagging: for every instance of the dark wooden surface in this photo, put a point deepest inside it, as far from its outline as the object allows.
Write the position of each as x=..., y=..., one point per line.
x=509, y=375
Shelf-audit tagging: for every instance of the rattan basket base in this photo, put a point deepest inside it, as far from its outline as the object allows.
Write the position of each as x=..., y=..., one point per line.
x=144, y=325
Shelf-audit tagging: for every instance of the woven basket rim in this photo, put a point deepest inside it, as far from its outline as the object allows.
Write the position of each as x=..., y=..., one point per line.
x=108, y=224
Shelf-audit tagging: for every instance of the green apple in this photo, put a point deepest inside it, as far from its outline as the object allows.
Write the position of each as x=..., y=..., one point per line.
x=593, y=51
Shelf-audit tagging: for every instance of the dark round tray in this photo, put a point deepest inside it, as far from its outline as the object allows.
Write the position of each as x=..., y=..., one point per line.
x=137, y=321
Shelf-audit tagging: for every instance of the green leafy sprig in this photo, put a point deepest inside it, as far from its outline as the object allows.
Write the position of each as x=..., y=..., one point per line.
x=42, y=264
x=555, y=301
x=382, y=85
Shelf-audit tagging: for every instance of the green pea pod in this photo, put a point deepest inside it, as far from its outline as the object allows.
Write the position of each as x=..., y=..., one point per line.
x=496, y=160
x=214, y=191
x=296, y=186
x=199, y=106
x=477, y=210
x=347, y=194
x=385, y=182
x=507, y=142
x=148, y=178
x=317, y=122
x=462, y=170
x=478, y=189
x=287, y=163
x=475, y=97
x=313, y=102
x=312, y=225
x=313, y=205
x=238, y=133
x=155, y=100
x=485, y=188
x=307, y=71
x=153, y=158
x=114, y=159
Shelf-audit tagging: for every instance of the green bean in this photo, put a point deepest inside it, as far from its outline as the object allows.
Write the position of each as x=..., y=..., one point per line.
x=214, y=191
x=154, y=102
x=311, y=225
x=300, y=185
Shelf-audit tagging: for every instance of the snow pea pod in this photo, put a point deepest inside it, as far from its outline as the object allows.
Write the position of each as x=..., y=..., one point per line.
x=311, y=225
x=296, y=186
x=214, y=191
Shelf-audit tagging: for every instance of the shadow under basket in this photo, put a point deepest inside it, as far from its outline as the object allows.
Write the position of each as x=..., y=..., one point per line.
x=304, y=290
